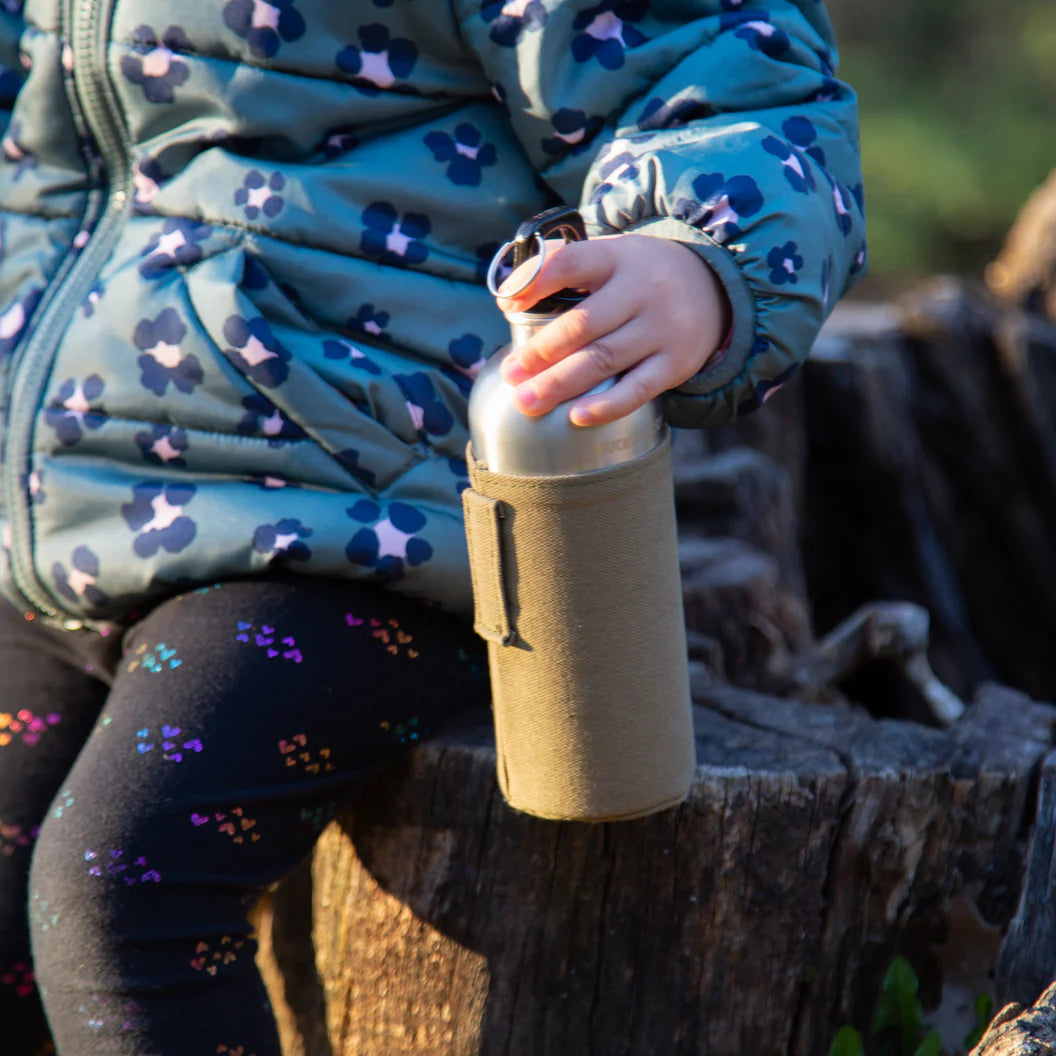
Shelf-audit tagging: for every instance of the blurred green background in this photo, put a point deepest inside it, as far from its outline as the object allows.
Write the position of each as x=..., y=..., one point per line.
x=958, y=123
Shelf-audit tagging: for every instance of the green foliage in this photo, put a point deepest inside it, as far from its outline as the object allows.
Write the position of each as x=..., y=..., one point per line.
x=955, y=104
x=847, y=1043
x=984, y=1012
x=899, y=1017
x=899, y=1028
x=930, y=1046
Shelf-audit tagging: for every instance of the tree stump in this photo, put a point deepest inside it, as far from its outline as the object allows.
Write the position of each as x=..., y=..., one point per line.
x=1015, y=1032
x=758, y=917
x=912, y=460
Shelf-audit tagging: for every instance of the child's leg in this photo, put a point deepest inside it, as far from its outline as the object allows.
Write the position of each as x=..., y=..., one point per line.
x=48, y=704
x=240, y=718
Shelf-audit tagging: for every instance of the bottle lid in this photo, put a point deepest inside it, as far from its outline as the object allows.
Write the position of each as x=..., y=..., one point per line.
x=530, y=240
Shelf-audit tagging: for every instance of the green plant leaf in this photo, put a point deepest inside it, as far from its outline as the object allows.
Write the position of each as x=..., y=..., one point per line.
x=930, y=1046
x=847, y=1043
x=984, y=1012
x=899, y=1011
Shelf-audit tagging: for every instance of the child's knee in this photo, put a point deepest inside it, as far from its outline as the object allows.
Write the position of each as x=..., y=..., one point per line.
x=82, y=899
x=57, y=904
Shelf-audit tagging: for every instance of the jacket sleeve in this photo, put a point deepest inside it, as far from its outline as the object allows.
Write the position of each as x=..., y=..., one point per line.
x=11, y=74
x=716, y=123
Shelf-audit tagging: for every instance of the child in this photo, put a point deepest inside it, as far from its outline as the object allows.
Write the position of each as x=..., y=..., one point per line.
x=241, y=305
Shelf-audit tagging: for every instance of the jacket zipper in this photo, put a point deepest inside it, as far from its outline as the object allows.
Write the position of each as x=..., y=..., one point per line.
x=89, y=27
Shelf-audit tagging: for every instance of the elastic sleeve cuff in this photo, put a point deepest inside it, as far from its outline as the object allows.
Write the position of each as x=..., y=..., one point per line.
x=732, y=357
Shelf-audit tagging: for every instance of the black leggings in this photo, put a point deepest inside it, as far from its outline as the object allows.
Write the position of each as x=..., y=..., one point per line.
x=157, y=784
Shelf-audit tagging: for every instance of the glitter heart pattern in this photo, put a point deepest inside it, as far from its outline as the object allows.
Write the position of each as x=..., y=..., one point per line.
x=268, y=638
x=388, y=633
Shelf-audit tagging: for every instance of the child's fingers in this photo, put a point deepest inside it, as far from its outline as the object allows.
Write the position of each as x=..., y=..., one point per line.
x=637, y=387
x=579, y=327
x=579, y=265
x=586, y=367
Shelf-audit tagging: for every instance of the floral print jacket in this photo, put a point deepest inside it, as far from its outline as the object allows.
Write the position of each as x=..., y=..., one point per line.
x=242, y=245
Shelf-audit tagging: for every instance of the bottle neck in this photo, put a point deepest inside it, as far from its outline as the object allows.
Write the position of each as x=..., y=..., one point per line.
x=524, y=325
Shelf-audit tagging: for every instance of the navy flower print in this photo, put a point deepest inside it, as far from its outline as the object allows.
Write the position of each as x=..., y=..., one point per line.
x=393, y=242
x=460, y=472
x=349, y=458
x=466, y=154
x=154, y=66
x=659, y=114
x=263, y=418
x=163, y=445
x=13, y=320
x=755, y=28
x=801, y=133
x=179, y=243
x=264, y=24
x=147, y=178
x=72, y=412
x=765, y=389
x=721, y=204
x=784, y=262
x=574, y=132
x=78, y=584
x=16, y=152
x=391, y=541
x=379, y=61
x=842, y=205
x=162, y=362
x=500, y=95
x=339, y=142
x=372, y=321
x=92, y=298
x=335, y=348
x=284, y=540
x=467, y=354
x=427, y=412
x=615, y=164
x=254, y=274
x=605, y=34
x=830, y=89
x=270, y=482
x=510, y=19
x=858, y=264
x=256, y=352
x=34, y=484
x=260, y=194
x=156, y=515
x=796, y=167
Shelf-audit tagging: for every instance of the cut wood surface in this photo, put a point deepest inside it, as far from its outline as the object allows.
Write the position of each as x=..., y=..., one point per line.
x=1016, y=1031
x=758, y=918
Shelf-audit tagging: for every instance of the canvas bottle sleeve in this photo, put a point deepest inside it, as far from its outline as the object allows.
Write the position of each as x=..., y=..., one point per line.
x=577, y=592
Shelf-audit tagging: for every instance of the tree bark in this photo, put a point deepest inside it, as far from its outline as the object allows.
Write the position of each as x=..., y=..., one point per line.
x=1018, y=1032
x=758, y=917
x=931, y=478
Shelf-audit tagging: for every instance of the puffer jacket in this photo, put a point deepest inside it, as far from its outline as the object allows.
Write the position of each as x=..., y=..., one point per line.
x=242, y=245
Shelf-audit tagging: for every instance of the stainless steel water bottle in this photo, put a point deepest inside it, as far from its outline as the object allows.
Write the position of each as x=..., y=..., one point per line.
x=508, y=441
x=574, y=559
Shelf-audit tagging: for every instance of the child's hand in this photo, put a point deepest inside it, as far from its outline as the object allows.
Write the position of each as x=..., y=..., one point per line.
x=656, y=313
